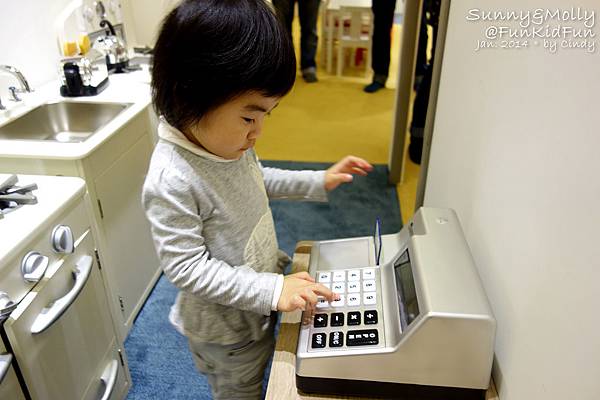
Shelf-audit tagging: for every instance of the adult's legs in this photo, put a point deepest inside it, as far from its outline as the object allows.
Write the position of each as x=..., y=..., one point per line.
x=419, y=115
x=285, y=12
x=422, y=62
x=383, y=19
x=308, y=11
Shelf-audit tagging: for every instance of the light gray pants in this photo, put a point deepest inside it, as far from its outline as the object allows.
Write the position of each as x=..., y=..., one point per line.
x=234, y=371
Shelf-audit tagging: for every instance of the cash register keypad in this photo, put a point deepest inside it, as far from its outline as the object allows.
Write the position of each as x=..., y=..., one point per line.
x=354, y=319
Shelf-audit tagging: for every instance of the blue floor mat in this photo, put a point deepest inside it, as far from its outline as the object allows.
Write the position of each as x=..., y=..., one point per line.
x=159, y=360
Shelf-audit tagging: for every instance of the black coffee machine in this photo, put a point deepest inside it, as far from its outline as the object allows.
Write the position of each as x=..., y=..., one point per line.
x=84, y=75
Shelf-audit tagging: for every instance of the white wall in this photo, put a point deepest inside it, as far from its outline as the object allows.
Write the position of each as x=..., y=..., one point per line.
x=28, y=38
x=515, y=151
x=147, y=17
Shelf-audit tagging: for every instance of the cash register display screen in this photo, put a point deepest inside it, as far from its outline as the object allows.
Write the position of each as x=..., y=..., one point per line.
x=407, y=295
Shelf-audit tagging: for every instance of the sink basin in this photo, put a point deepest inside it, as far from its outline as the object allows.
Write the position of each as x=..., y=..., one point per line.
x=63, y=121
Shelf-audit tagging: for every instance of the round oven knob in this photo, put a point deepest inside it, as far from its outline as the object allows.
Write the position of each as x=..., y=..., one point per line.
x=6, y=304
x=34, y=266
x=62, y=239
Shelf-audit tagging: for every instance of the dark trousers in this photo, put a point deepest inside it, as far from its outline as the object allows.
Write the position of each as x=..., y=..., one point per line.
x=308, y=11
x=430, y=16
x=422, y=62
x=424, y=67
x=383, y=19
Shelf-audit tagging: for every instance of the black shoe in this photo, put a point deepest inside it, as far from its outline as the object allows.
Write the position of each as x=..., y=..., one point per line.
x=415, y=149
x=373, y=87
x=309, y=75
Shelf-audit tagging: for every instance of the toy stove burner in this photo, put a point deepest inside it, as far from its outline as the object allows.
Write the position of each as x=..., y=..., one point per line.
x=13, y=196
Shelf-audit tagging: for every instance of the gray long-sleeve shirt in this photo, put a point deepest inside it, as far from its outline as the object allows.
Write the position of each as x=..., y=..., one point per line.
x=214, y=235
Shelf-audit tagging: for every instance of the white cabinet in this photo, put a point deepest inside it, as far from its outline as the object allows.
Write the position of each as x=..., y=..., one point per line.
x=9, y=384
x=130, y=257
x=114, y=174
x=62, y=333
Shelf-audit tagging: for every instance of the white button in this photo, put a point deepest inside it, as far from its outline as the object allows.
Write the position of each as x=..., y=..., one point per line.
x=369, y=298
x=322, y=303
x=338, y=303
x=354, y=275
x=369, y=286
x=369, y=273
x=339, y=276
x=339, y=287
x=353, y=300
x=353, y=287
x=327, y=285
x=324, y=277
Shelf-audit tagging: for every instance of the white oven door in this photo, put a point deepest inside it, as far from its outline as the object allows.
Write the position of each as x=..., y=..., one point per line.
x=9, y=385
x=111, y=381
x=62, y=332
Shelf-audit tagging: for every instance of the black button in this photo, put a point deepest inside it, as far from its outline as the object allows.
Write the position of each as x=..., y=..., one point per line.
x=336, y=339
x=354, y=318
x=370, y=317
x=318, y=340
x=320, y=320
x=337, y=319
x=362, y=337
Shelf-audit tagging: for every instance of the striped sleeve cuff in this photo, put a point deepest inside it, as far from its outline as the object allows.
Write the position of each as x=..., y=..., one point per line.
x=277, y=292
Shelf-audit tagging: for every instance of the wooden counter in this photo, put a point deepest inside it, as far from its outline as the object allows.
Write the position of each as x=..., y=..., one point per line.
x=282, y=380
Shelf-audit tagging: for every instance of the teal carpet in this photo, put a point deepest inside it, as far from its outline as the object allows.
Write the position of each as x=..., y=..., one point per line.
x=160, y=363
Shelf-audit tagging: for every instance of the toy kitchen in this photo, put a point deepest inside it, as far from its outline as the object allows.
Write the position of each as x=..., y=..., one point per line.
x=412, y=321
x=69, y=143
x=57, y=338
x=91, y=118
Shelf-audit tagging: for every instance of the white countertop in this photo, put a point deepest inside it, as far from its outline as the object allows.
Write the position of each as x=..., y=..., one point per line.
x=132, y=87
x=55, y=194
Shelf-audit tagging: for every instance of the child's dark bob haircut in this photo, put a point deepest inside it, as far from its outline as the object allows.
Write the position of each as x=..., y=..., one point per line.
x=210, y=51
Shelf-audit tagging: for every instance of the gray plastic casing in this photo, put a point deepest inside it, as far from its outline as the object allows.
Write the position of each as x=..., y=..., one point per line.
x=451, y=341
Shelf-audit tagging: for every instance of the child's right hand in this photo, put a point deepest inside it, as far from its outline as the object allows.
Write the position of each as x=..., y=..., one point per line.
x=300, y=291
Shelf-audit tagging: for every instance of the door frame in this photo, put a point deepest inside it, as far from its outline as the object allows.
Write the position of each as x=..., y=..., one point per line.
x=401, y=125
x=406, y=68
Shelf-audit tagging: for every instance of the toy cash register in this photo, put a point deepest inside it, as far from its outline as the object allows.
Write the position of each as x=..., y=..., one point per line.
x=412, y=321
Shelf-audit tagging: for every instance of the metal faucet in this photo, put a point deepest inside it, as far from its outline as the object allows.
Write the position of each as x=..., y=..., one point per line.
x=13, y=93
x=19, y=76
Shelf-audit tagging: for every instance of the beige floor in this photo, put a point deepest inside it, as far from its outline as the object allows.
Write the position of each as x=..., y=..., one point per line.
x=327, y=120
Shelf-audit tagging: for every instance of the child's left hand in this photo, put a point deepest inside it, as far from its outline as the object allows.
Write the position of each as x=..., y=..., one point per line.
x=342, y=171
